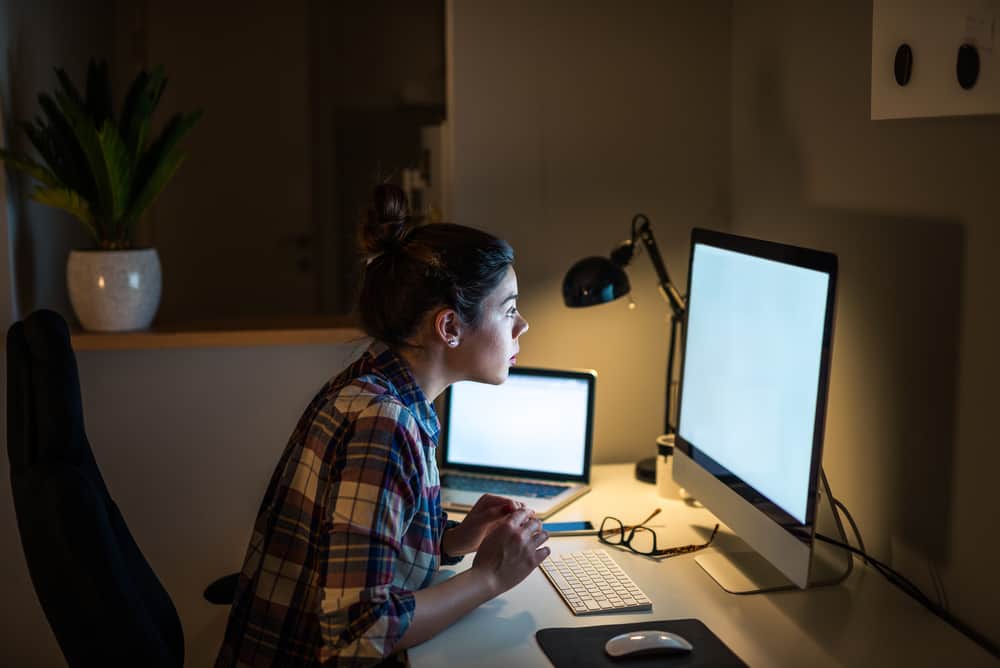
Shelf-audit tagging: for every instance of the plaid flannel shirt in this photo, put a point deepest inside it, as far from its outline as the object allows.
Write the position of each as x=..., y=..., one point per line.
x=350, y=526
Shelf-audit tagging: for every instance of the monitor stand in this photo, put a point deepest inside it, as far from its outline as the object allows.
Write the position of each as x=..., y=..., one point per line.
x=749, y=573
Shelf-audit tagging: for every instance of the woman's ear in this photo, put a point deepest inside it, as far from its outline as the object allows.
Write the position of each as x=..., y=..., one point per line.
x=448, y=327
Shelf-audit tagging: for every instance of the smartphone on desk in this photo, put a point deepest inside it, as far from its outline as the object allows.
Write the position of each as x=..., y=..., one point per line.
x=581, y=528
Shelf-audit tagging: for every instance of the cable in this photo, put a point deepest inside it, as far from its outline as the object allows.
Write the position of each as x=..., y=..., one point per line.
x=890, y=574
x=942, y=595
x=854, y=526
x=900, y=581
x=938, y=586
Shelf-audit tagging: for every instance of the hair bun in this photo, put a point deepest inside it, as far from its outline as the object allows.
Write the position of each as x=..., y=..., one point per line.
x=388, y=220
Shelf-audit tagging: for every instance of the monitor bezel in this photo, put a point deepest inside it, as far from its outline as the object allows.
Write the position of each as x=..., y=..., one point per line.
x=797, y=256
x=589, y=376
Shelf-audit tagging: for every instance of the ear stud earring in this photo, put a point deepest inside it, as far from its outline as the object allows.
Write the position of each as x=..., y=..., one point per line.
x=453, y=343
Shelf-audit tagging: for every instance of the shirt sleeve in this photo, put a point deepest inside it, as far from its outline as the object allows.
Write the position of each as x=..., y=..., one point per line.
x=447, y=559
x=362, y=615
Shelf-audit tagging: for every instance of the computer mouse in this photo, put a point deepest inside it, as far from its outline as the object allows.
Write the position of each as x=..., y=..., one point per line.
x=646, y=642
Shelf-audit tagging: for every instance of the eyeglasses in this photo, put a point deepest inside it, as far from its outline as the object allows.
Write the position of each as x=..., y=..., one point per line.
x=641, y=539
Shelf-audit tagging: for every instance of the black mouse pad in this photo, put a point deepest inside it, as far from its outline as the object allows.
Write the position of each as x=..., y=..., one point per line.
x=583, y=646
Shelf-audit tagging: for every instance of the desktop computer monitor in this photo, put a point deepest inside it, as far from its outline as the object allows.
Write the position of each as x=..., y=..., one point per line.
x=752, y=402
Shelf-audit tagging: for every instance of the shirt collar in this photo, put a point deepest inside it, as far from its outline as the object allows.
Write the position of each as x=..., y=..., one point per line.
x=397, y=372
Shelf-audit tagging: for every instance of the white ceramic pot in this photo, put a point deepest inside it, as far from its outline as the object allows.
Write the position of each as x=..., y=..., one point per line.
x=114, y=291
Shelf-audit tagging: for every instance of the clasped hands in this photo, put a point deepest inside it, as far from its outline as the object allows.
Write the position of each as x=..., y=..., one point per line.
x=506, y=537
x=484, y=517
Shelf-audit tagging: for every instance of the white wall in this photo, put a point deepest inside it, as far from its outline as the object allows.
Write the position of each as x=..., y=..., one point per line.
x=186, y=441
x=910, y=208
x=568, y=118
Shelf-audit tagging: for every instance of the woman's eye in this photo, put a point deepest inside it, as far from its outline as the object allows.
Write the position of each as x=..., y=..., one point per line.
x=512, y=312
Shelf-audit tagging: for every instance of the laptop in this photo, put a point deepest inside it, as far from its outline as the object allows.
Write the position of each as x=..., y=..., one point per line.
x=528, y=439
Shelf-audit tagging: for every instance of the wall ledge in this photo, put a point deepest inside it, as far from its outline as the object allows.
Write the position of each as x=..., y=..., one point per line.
x=226, y=334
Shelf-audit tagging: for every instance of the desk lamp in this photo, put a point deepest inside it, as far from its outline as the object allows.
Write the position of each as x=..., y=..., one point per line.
x=597, y=280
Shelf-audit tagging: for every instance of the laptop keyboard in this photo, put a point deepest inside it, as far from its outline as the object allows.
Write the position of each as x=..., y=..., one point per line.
x=469, y=483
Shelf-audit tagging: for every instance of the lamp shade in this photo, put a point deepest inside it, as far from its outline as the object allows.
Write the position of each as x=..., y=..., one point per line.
x=594, y=280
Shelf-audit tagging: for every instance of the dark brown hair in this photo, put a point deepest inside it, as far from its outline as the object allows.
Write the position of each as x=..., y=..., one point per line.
x=414, y=268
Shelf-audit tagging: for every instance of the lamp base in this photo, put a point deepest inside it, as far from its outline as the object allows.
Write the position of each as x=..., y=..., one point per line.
x=645, y=470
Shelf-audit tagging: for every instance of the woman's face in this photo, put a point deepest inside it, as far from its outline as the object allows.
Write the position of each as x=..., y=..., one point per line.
x=490, y=348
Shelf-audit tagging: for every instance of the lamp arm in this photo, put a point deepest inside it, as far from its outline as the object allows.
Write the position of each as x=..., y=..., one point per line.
x=669, y=291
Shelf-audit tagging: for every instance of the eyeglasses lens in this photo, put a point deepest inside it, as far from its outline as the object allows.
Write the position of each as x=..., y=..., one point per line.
x=612, y=531
x=643, y=540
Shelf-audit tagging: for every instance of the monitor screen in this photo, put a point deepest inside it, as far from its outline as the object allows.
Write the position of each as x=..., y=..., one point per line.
x=754, y=343
x=534, y=421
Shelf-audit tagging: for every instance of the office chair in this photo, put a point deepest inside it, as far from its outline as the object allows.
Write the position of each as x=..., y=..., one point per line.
x=223, y=590
x=104, y=603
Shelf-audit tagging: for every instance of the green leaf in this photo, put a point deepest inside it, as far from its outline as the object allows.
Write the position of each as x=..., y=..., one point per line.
x=40, y=138
x=68, y=89
x=134, y=111
x=65, y=157
x=151, y=190
x=31, y=168
x=69, y=201
x=102, y=206
x=157, y=166
x=137, y=110
x=175, y=130
x=119, y=166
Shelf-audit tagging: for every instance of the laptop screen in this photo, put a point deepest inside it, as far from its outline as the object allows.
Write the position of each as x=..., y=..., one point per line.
x=539, y=422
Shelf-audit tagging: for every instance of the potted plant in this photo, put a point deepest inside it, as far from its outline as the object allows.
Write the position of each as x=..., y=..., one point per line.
x=105, y=171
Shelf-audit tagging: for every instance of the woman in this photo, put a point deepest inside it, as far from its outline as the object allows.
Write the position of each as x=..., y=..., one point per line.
x=351, y=530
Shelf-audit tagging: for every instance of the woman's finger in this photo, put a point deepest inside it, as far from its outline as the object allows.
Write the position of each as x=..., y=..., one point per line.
x=537, y=539
x=498, y=505
x=541, y=554
x=517, y=518
x=528, y=530
x=494, y=500
x=532, y=524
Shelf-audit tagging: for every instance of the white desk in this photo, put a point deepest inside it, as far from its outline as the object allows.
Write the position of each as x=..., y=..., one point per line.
x=864, y=621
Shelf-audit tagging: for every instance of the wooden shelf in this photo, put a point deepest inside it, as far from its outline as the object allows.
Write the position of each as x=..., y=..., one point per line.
x=280, y=331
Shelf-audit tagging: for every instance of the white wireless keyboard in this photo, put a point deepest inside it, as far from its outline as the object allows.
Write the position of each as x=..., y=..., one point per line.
x=591, y=582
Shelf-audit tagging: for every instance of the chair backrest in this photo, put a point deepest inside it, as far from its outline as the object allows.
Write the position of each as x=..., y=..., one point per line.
x=103, y=601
